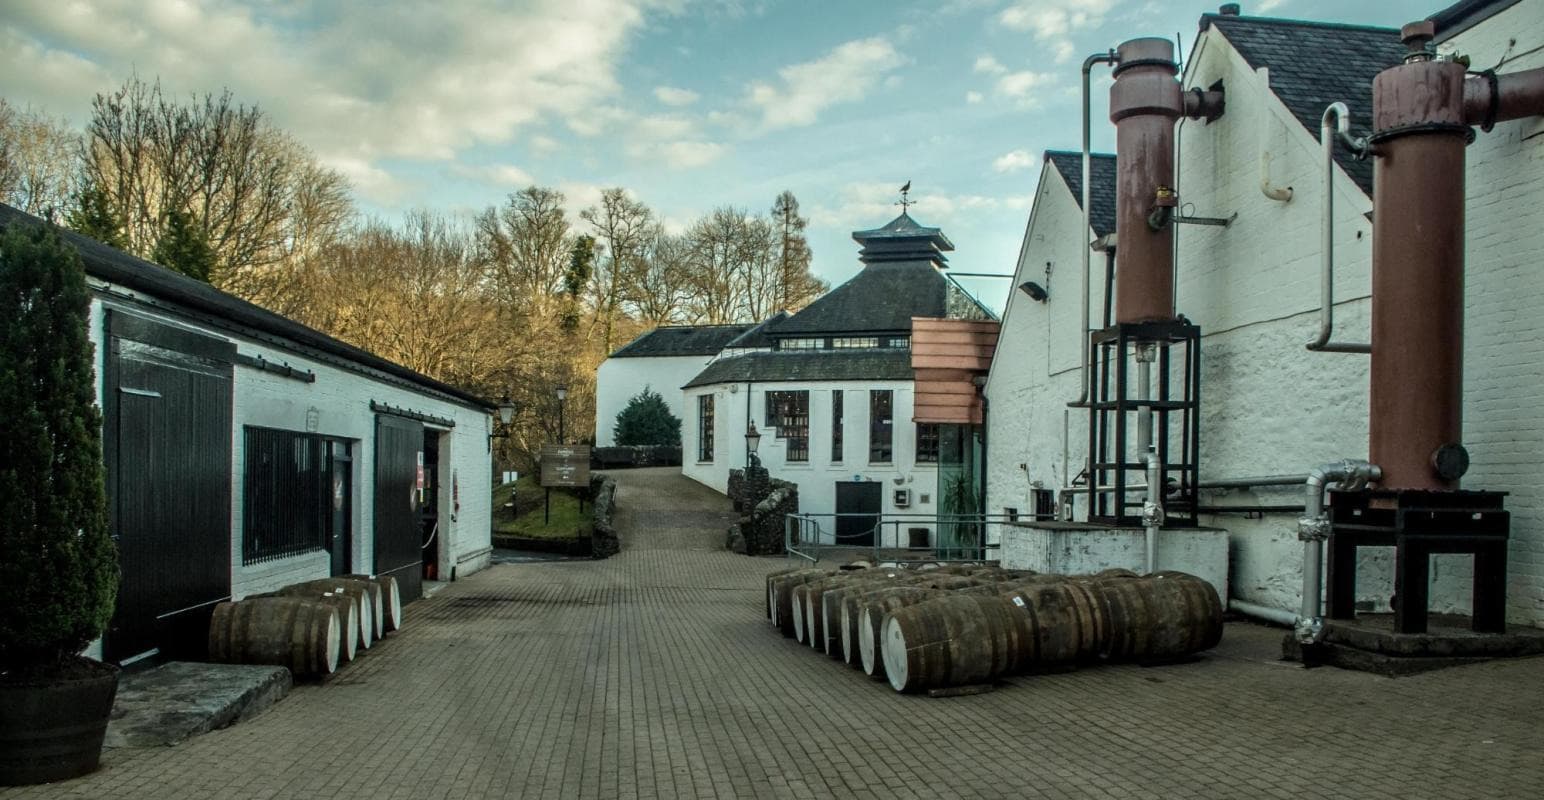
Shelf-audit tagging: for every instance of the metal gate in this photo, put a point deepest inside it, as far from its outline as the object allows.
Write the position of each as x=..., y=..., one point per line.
x=399, y=446
x=167, y=448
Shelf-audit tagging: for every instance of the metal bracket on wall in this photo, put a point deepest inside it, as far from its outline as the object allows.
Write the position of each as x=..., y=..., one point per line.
x=283, y=370
x=1221, y=222
x=383, y=408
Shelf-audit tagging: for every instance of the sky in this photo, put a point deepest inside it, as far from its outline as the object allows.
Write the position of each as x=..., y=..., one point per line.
x=689, y=104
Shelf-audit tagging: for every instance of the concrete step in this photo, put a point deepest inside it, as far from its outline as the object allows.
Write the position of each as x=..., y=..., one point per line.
x=165, y=705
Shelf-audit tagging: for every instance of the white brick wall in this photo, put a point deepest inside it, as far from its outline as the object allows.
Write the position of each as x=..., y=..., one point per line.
x=1269, y=405
x=816, y=478
x=618, y=380
x=341, y=399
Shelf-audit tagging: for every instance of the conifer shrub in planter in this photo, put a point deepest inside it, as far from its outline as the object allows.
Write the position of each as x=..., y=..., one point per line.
x=58, y=566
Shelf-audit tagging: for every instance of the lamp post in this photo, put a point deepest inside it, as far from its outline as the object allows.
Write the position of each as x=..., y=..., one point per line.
x=752, y=441
x=506, y=416
x=562, y=392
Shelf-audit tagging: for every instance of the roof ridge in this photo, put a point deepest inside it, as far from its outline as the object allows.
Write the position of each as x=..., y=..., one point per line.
x=1078, y=153
x=1311, y=23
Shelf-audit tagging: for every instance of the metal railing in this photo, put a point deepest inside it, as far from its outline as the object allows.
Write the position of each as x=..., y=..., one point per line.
x=898, y=537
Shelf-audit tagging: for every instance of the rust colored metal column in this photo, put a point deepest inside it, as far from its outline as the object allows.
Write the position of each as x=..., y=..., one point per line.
x=1145, y=101
x=1419, y=135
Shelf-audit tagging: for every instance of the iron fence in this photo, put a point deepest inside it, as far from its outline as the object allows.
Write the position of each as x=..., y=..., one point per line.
x=898, y=537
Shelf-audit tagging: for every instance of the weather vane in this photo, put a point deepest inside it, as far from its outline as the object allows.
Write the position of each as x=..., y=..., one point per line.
x=905, y=198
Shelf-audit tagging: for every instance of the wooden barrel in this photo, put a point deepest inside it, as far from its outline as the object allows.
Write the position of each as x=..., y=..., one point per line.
x=777, y=574
x=1070, y=626
x=782, y=597
x=1164, y=615
x=367, y=593
x=348, y=616
x=956, y=640
x=833, y=600
x=871, y=614
x=390, y=603
x=811, y=601
x=289, y=632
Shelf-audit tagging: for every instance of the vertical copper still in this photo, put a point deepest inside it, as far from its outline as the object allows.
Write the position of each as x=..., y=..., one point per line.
x=1145, y=100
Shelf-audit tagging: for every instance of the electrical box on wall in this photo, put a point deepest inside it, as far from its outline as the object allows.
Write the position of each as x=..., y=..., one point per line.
x=902, y=498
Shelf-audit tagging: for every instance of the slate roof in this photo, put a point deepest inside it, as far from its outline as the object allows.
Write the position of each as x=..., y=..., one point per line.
x=757, y=335
x=1101, y=169
x=1313, y=64
x=808, y=365
x=681, y=340
x=203, y=302
x=881, y=297
x=902, y=239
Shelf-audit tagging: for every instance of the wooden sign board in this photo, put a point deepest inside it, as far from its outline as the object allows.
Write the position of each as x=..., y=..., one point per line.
x=565, y=465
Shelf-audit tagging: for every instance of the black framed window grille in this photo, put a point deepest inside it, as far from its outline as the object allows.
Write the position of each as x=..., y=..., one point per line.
x=705, y=427
x=881, y=427
x=836, y=426
x=927, y=443
x=789, y=412
x=288, y=494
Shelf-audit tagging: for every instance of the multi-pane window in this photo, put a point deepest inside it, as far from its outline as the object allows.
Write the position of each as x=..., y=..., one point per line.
x=900, y=342
x=287, y=494
x=789, y=412
x=836, y=426
x=854, y=342
x=705, y=427
x=880, y=427
x=801, y=344
x=927, y=443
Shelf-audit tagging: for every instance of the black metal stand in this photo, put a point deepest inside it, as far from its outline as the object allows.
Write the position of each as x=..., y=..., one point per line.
x=1113, y=412
x=1418, y=524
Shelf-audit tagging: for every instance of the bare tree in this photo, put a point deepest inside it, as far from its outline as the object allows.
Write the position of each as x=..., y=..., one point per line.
x=796, y=285
x=38, y=171
x=621, y=225
x=662, y=283
x=717, y=253
x=527, y=244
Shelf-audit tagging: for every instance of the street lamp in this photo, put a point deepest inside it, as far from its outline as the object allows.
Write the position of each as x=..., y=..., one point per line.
x=562, y=392
x=506, y=416
x=752, y=441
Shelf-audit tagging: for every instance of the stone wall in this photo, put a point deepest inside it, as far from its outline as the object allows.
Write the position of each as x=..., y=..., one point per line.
x=603, y=534
x=760, y=530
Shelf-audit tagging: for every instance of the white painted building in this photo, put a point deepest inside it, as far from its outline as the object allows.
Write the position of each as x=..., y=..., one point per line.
x=1269, y=406
x=661, y=360
x=245, y=452
x=831, y=391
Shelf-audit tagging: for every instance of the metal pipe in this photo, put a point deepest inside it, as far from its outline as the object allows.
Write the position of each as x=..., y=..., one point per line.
x=1152, y=509
x=1285, y=508
x=1247, y=483
x=1314, y=528
x=1280, y=194
x=1335, y=123
x=1490, y=98
x=1107, y=57
x=1266, y=613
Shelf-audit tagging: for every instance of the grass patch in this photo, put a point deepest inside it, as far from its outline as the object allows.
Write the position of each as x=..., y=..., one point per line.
x=526, y=517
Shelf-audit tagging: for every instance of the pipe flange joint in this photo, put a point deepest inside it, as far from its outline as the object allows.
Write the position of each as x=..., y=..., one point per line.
x=1308, y=630
x=1152, y=514
x=1313, y=529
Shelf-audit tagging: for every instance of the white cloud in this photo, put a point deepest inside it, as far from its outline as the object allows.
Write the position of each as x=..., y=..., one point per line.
x=544, y=145
x=495, y=174
x=973, y=97
x=1052, y=22
x=357, y=82
x=802, y=91
x=871, y=200
x=988, y=65
x=685, y=155
x=674, y=96
x=1020, y=85
x=1015, y=161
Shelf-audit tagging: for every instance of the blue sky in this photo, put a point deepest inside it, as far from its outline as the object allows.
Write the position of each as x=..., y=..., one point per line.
x=690, y=104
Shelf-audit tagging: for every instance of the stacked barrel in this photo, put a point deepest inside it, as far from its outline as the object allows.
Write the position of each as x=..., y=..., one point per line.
x=313, y=627
x=952, y=626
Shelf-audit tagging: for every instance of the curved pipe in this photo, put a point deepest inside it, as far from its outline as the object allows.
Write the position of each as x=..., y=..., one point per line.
x=1336, y=123
x=1275, y=615
x=1107, y=57
x=1280, y=194
x=1314, y=528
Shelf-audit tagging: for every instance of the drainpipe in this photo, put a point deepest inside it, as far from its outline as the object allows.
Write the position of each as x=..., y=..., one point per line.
x=1336, y=123
x=1107, y=57
x=1314, y=529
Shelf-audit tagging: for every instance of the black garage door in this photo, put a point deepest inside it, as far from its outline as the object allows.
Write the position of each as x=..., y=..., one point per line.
x=399, y=444
x=167, y=447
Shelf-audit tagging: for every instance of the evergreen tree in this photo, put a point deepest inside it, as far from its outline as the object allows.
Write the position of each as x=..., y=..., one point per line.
x=647, y=421
x=581, y=263
x=184, y=247
x=94, y=216
x=58, y=566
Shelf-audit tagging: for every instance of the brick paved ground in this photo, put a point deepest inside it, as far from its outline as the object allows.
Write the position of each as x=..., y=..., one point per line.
x=654, y=674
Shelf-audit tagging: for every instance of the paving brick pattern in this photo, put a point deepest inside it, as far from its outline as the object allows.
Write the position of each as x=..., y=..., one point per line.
x=654, y=674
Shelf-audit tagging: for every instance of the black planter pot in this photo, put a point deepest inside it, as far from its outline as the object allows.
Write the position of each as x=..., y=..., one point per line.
x=51, y=728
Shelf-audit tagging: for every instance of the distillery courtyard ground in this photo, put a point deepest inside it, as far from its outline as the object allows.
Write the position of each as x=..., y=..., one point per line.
x=655, y=674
